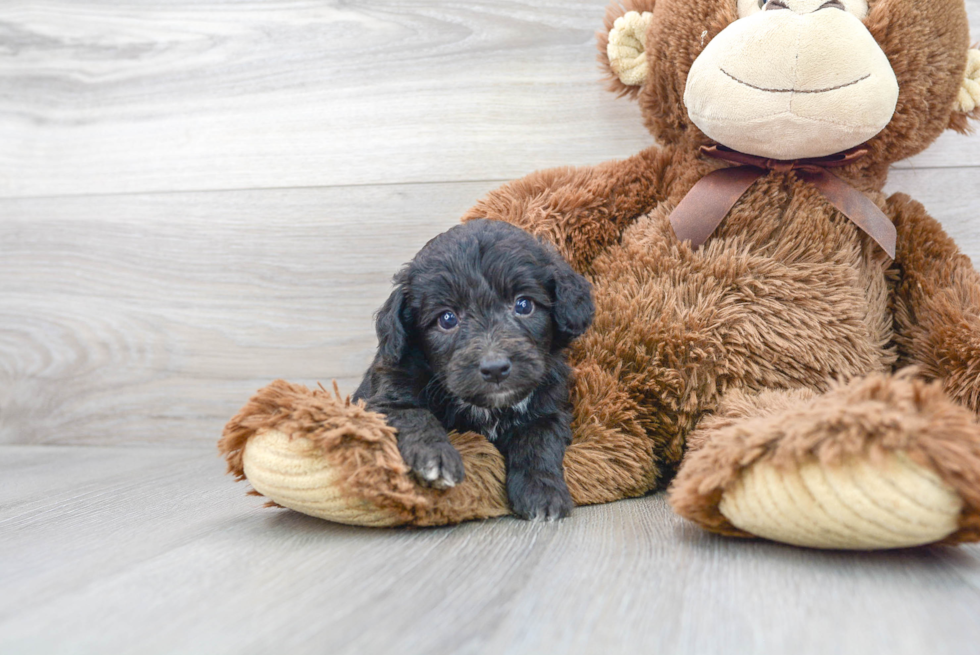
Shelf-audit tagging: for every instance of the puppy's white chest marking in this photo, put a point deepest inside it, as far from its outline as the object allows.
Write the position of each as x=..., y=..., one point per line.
x=521, y=407
x=481, y=414
x=485, y=416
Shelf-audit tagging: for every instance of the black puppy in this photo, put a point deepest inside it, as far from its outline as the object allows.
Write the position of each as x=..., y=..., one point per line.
x=472, y=338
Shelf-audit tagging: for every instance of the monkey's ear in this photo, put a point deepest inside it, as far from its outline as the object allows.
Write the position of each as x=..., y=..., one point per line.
x=967, y=103
x=622, y=45
x=391, y=325
x=573, y=308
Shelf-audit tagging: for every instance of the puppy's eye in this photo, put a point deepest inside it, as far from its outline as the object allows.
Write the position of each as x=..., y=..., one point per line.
x=523, y=306
x=448, y=320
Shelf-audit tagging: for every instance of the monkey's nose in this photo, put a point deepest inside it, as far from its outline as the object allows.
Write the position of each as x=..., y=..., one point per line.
x=495, y=370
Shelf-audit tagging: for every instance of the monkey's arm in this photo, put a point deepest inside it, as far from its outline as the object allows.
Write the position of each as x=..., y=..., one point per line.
x=936, y=303
x=580, y=210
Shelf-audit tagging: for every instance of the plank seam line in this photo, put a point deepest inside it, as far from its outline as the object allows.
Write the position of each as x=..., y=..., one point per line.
x=11, y=198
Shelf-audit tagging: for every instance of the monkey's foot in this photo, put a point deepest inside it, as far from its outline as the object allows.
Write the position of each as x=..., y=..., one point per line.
x=858, y=504
x=883, y=462
x=316, y=453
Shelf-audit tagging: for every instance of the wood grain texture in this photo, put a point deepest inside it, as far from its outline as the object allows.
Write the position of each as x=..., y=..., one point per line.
x=151, y=550
x=107, y=97
x=146, y=318
x=98, y=98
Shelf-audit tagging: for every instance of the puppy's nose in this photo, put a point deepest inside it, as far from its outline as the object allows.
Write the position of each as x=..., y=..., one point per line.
x=495, y=370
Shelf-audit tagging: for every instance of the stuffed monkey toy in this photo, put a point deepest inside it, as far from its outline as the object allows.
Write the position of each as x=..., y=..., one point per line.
x=791, y=353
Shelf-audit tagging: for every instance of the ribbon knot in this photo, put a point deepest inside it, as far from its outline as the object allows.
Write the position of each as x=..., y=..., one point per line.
x=705, y=206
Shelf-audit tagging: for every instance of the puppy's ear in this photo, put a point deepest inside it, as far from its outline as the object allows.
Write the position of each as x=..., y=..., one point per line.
x=573, y=308
x=391, y=325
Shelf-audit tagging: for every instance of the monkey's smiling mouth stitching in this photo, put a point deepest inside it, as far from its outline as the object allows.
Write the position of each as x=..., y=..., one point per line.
x=829, y=88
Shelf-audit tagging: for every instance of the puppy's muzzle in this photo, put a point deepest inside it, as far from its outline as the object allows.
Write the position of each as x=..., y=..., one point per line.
x=495, y=369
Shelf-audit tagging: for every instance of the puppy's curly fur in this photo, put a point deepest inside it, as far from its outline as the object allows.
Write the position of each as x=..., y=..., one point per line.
x=473, y=339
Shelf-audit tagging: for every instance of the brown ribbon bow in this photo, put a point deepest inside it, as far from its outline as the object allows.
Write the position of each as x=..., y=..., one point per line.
x=705, y=206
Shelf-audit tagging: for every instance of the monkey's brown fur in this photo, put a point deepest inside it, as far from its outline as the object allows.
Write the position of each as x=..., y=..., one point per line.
x=784, y=338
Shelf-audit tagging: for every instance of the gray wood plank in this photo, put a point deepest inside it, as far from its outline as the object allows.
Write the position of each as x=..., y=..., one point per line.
x=166, y=555
x=141, y=318
x=32, y=475
x=111, y=501
x=107, y=97
x=189, y=95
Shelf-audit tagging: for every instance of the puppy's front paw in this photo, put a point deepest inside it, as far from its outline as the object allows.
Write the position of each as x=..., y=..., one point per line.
x=540, y=499
x=436, y=465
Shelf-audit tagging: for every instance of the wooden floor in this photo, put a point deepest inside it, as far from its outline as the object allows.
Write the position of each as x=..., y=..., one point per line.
x=110, y=549
x=199, y=196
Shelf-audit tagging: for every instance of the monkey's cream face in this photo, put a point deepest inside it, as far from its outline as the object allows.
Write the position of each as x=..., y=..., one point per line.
x=792, y=79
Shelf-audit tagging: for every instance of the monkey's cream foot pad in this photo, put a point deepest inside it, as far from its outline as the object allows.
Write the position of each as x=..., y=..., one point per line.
x=293, y=473
x=893, y=503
